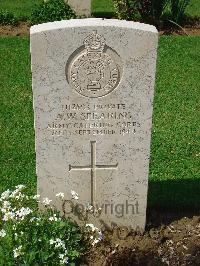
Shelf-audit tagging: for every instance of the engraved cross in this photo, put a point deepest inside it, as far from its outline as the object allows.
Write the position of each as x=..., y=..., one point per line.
x=92, y=168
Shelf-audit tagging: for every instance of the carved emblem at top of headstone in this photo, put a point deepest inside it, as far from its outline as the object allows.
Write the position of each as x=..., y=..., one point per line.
x=94, y=70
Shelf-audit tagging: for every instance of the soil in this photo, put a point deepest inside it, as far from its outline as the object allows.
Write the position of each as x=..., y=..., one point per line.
x=187, y=31
x=171, y=243
x=22, y=29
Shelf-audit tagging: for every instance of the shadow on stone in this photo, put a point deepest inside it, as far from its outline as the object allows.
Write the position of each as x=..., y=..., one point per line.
x=103, y=14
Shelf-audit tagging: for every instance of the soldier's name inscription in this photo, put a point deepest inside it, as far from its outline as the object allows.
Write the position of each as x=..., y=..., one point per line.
x=94, y=119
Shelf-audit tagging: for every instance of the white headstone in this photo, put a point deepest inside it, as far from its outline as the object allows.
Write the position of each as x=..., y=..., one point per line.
x=93, y=87
x=82, y=7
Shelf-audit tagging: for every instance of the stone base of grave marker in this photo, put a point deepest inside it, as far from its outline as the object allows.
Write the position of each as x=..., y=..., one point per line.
x=93, y=87
x=82, y=7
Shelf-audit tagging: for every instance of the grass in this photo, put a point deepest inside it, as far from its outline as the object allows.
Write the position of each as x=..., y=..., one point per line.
x=22, y=9
x=175, y=159
x=193, y=8
x=17, y=158
x=103, y=8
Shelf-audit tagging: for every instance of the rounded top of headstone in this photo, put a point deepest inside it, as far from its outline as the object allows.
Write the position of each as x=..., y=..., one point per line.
x=92, y=22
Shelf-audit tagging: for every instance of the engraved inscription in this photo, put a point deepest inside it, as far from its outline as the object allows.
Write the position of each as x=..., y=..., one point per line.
x=94, y=72
x=94, y=119
x=92, y=168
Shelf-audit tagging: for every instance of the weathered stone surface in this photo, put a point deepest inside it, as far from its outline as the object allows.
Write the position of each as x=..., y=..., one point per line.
x=82, y=7
x=93, y=87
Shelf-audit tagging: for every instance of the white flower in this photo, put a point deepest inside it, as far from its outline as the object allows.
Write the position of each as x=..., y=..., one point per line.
x=54, y=218
x=20, y=196
x=8, y=216
x=95, y=241
x=5, y=194
x=16, y=194
x=98, y=238
x=92, y=227
x=20, y=187
x=36, y=197
x=6, y=204
x=57, y=243
x=35, y=219
x=66, y=252
x=74, y=195
x=46, y=201
x=60, y=195
x=64, y=261
x=21, y=213
x=3, y=210
x=97, y=234
x=17, y=252
x=2, y=233
x=51, y=241
x=61, y=256
x=89, y=207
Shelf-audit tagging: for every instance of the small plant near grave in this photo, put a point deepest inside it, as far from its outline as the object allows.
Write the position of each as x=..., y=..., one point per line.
x=178, y=8
x=126, y=9
x=152, y=11
x=52, y=10
x=29, y=236
x=7, y=18
x=149, y=10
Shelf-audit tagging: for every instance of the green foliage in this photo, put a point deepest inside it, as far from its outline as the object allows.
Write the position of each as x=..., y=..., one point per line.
x=7, y=18
x=52, y=10
x=126, y=9
x=178, y=8
x=151, y=10
x=106, y=6
x=32, y=237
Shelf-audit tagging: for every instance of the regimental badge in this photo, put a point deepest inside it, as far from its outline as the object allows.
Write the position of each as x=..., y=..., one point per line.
x=94, y=70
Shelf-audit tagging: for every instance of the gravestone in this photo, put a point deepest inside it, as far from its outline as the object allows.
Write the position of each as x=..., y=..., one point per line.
x=82, y=7
x=93, y=87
